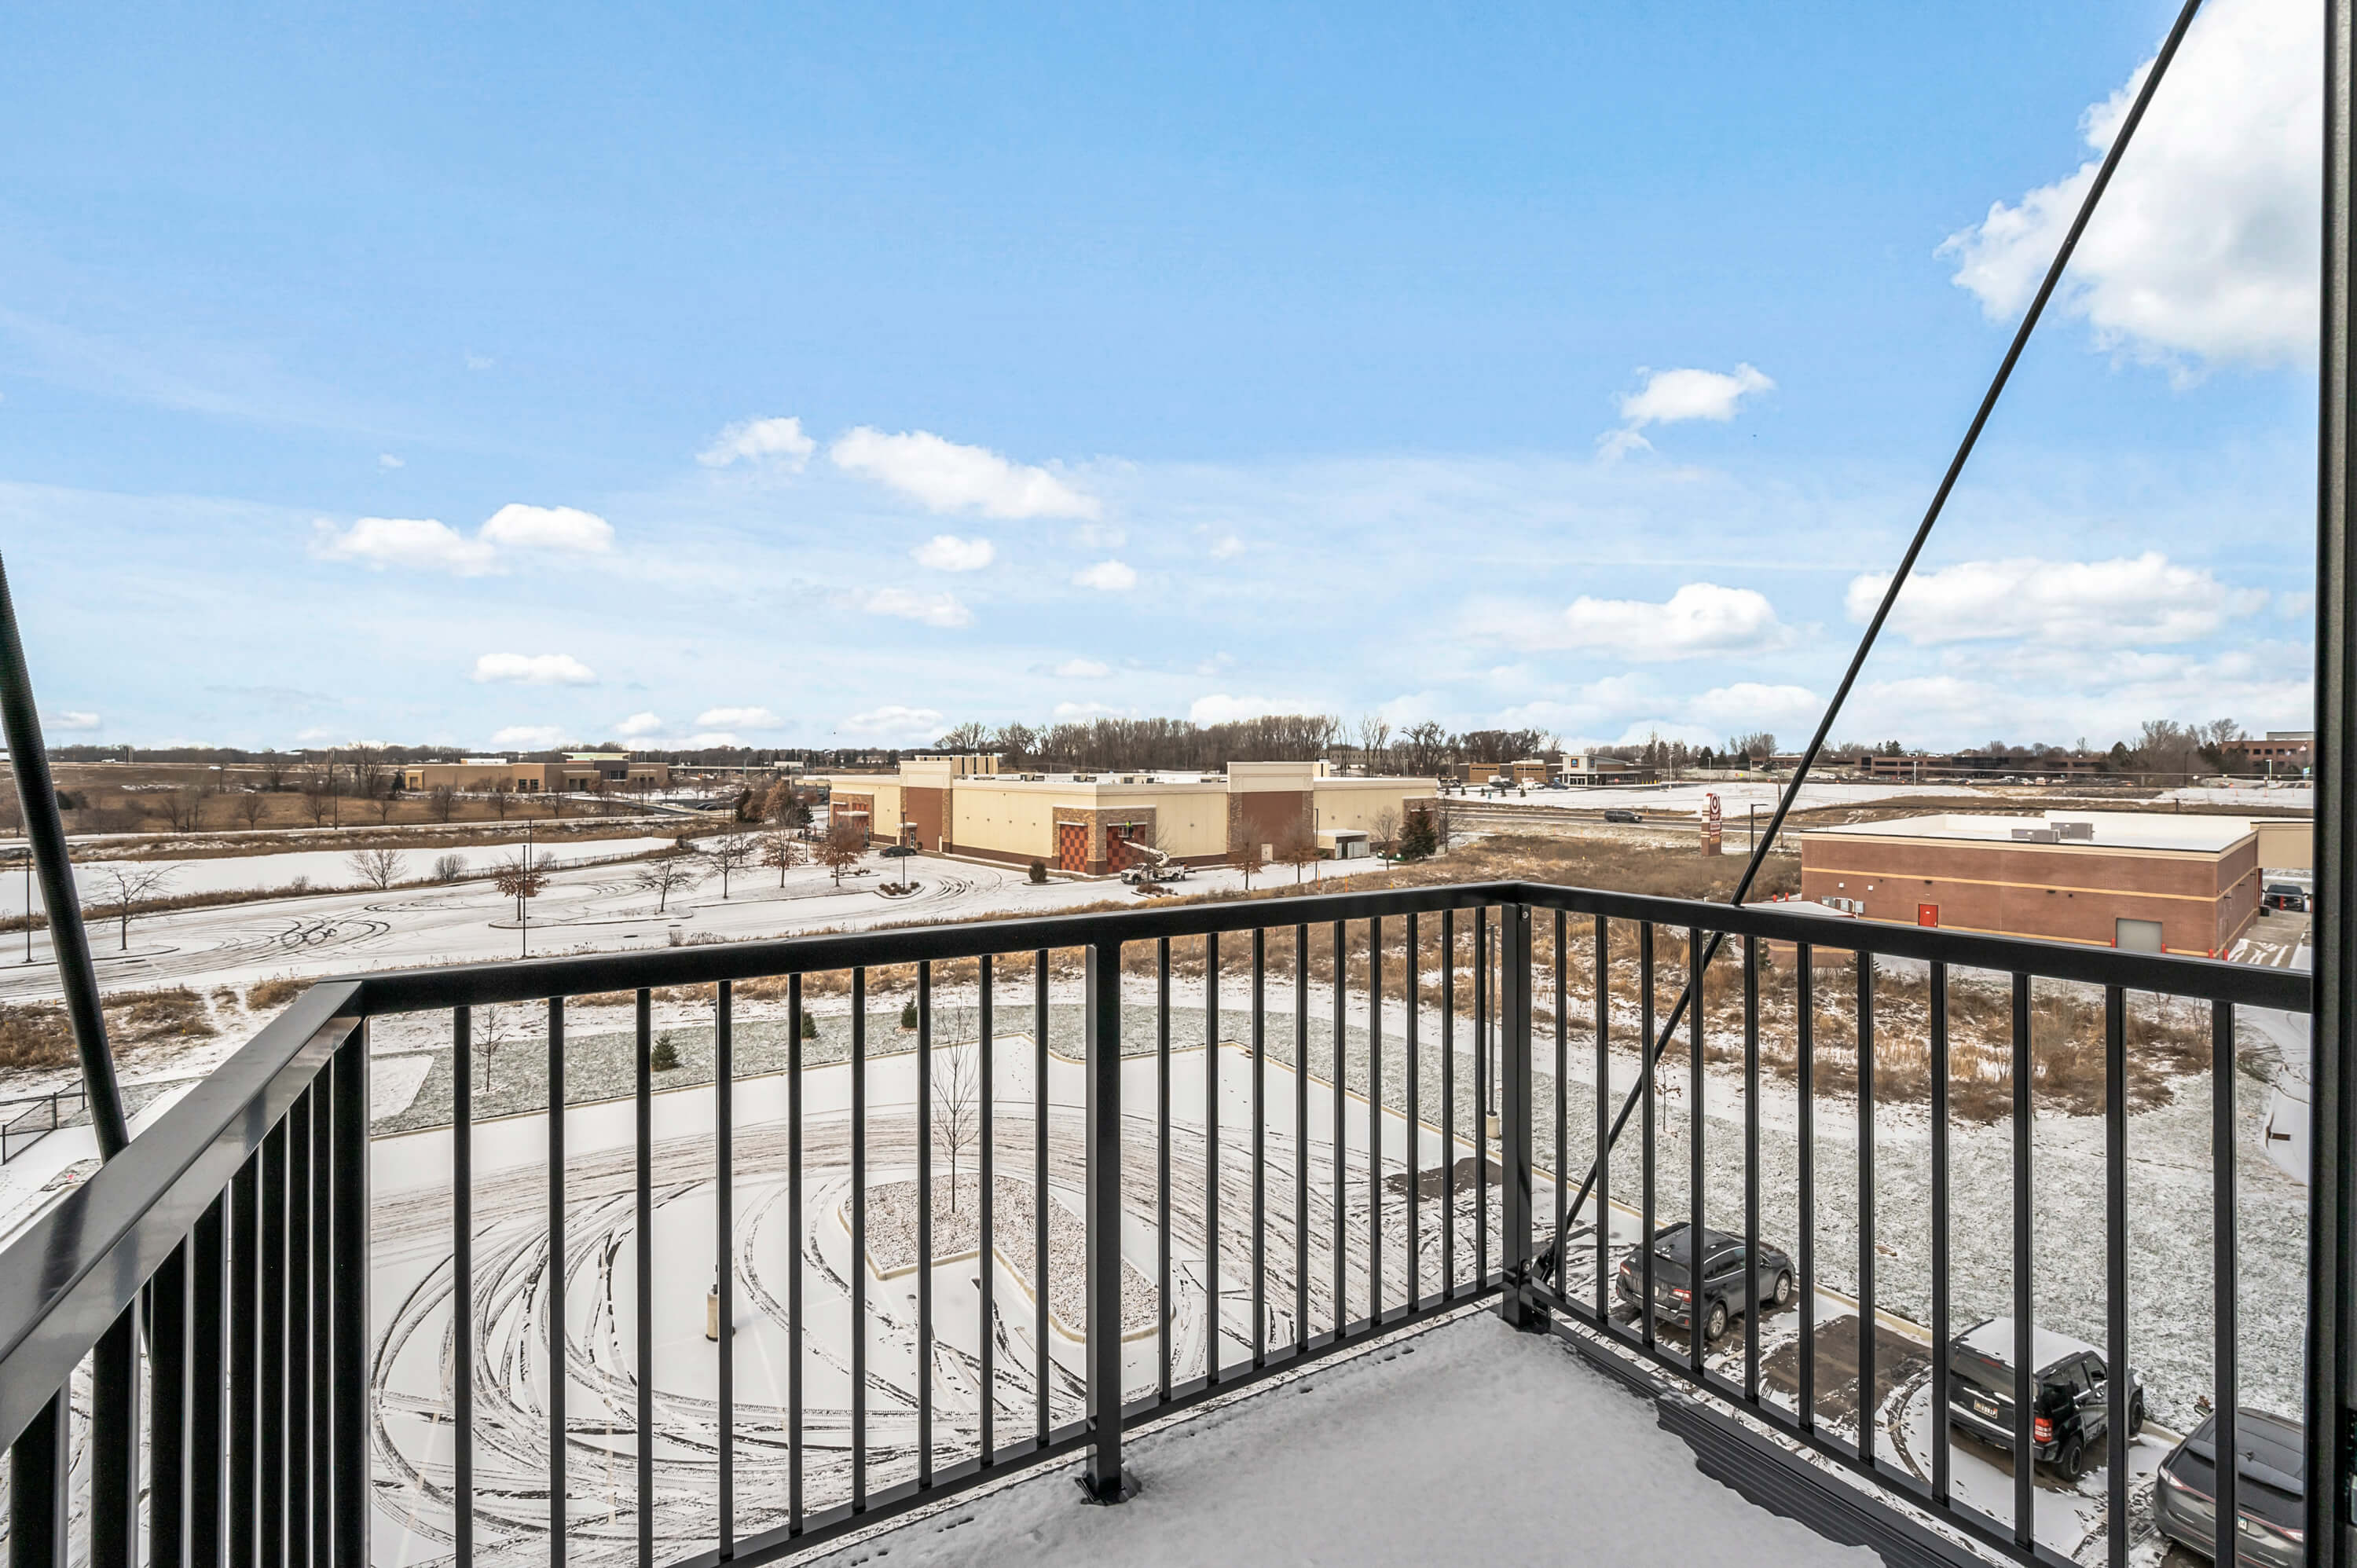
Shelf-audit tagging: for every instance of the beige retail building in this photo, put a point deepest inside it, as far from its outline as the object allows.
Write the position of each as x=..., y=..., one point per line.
x=1089, y=823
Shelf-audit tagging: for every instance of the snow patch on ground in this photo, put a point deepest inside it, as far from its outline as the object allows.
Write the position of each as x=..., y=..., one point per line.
x=393, y=1082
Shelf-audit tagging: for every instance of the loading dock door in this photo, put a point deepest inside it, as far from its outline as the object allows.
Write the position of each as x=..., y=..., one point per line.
x=1071, y=846
x=2136, y=936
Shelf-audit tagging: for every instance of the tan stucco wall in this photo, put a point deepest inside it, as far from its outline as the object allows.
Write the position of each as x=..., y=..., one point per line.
x=1007, y=819
x=1357, y=802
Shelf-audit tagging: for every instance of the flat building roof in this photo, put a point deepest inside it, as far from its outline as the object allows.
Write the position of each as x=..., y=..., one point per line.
x=2100, y=830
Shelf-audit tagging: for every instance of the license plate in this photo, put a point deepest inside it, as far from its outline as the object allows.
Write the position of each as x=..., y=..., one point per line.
x=1983, y=1408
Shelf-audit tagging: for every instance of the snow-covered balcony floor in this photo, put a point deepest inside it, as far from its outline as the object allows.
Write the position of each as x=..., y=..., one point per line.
x=1465, y=1442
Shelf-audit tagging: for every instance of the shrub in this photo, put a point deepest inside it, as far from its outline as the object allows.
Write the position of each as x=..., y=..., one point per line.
x=274, y=992
x=449, y=867
x=908, y=1013
x=810, y=1028
x=665, y=1055
x=1038, y=871
x=35, y=1035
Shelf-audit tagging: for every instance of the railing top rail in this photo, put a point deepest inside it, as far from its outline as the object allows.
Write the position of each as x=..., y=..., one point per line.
x=73, y=1270
x=538, y=979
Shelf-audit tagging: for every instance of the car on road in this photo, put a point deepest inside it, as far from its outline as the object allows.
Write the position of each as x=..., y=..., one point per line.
x=2269, y=1490
x=2290, y=895
x=1620, y=814
x=1728, y=1286
x=2071, y=1394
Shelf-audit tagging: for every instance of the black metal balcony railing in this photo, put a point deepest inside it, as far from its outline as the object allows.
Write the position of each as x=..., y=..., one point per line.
x=215, y=1279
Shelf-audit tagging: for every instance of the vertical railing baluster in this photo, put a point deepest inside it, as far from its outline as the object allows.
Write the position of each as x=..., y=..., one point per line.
x=321, y=1095
x=1646, y=1222
x=642, y=1362
x=115, y=1443
x=1515, y=1115
x=1447, y=1103
x=1804, y=1091
x=858, y=1267
x=1412, y=997
x=985, y=1026
x=168, y=1419
x=559, y=1372
x=41, y=1467
x=2025, y=1498
x=1260, y=1146
x=794, y=1265
x=723, y=1270
x=2117, y=1386
x=243, y=1518
x=1562, y=1101
x=1751, y=1172
x=1212, y=1158
x=1940, y=1454
x=1697, y=1191
x=208, y=1347
x=271, y=1528
x=1162, y=1168
x=1102, y=1250
x=1603, y=1005
x=1483, y=1090
x=2224, y=1277
x=925, y=1223
x=1300, y=1138
x=351, y=1444
x=462, y=1287
x=1866, y=1310
x=1338, y=1127
x=1039, y=1205
x=1375, y=1120
x=301, y=1333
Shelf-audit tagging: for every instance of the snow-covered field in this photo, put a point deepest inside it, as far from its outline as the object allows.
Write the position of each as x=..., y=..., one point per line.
x=322, y=868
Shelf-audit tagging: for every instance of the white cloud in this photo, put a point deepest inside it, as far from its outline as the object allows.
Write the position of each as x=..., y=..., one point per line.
x=1220, y=708
x=2139, y=600
x=710, y=740
x=417, y=541
x=638, y=725
x=1070, y=712
x=1083, y=670
x=947, y=477
x=894, y=722
x=1752, y=705
x=2206, y=242
x=1226, y=545
x=948, y=553
x=72, y=720
x=1615, y=444
x=1107, y=577
x=534, y=669
x=528, y=737
x=933, y=610
x=1699, y=618
x=776, y=442
x=739, y=718
x=479, y=361
x=387, y=460
x=1669, y=396
x=548, y=528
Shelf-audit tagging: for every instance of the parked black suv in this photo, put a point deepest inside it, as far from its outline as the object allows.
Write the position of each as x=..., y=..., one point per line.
x=1620, y=814
x=2070, y=1415
x=1728, y=1286
x=2268, y=1490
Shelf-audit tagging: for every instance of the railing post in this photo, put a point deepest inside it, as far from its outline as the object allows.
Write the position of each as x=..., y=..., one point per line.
x=1514, y=1304
x=348, y=1222
x=1102, y=1480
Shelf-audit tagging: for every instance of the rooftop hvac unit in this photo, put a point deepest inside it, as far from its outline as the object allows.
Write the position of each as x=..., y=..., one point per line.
x=2083, y=831
x=2034, y=835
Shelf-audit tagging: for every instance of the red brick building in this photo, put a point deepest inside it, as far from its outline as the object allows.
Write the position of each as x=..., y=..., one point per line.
x=2183, y=884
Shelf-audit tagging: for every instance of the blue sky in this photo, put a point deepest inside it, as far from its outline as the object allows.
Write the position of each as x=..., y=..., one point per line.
x=820, y=377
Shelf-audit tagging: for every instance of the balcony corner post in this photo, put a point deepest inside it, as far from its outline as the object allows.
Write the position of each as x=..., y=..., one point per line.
x=1514, y=1303
x=1102, y=1480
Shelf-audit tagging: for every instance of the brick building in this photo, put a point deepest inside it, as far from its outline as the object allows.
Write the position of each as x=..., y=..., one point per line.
x=581, y=771
x=2183, y=884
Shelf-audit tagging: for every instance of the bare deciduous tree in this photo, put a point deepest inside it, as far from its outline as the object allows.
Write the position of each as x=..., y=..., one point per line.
x=519, y=881
x=957, y=1120
x=666, y=875
x=781, y=849
x=443, y=802
x=128, y=882
x=1385, y=836
x=249, y=807
x=729, y=855
x=384, y=802
x=1243, y=855
x=1374, y=741
x=502, y=797
x=379, y=868
x=844, y=843
x=1296, y=846
x=318, y=803
x=449, y=867
x=490, y=1034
